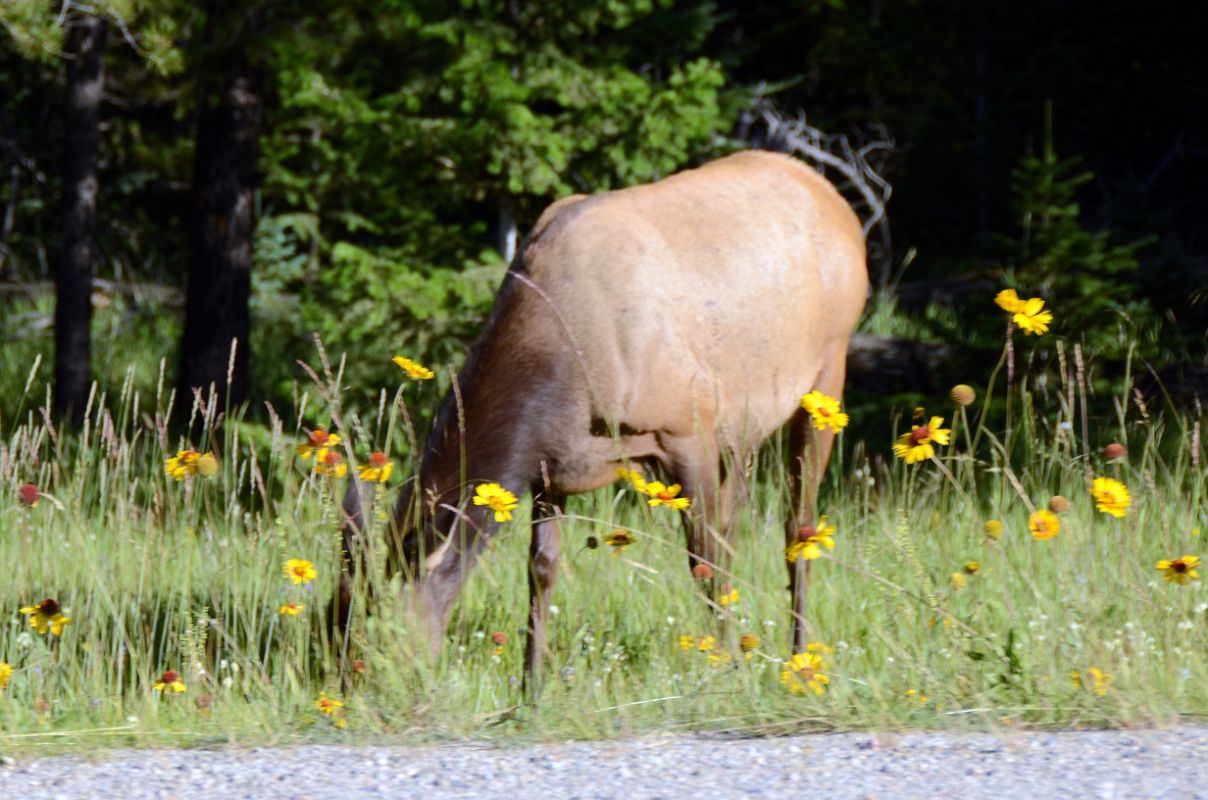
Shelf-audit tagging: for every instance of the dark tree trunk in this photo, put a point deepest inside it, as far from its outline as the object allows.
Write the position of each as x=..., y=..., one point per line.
x=85, y=53
x=223, y=219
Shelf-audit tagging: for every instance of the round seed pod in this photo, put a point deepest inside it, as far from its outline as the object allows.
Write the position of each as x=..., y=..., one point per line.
x=1059, y=504
x=963, y=395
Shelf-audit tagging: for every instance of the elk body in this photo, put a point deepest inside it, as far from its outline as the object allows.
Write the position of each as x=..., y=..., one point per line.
x=676, y=323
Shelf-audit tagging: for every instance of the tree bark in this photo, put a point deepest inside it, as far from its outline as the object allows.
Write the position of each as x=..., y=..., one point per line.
x=223, y=220
x=85, y=52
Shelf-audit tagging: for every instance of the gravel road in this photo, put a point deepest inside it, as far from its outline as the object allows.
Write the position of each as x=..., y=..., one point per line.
x=1099, y=764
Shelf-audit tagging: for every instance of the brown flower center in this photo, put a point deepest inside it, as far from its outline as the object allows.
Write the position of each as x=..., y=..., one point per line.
x=1178, y=565
x=28, y=494
x=920, y=436
x=48, y=607
x=378, y=459
x=319, y=438
x=806, y=533
x=169, y=676
x=332, y=458
x=665, y=496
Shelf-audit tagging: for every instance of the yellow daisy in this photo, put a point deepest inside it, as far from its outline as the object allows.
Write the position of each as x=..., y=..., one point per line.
x=824, y=410
x=1044, y=525
x=300, y=571
x=729, y=596
x=803, y=672
x=413, y=370
x=169, y=681
x=497, y=498
x=917, y=445
x=187, y=463
x=331, y=464
x=291, y=609
x=6, y=673
x=633, y=477
x=810, y=541
x=317, y=444
x=1111, y=496
x=47, y=616
x=1009, y=301
x=661, y=495
x=619, y=539
x=1180, y=570
x=1032, y=318
x=378, y=469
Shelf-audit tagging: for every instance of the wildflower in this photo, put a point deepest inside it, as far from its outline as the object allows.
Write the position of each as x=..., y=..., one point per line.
x=317, y=444
x=300, y=571
x=1044, y=525
x=1115, y=450
x=702, y=572
x=1009, y=301
x=619, y=539
x=331, y=464
x=804, y=672
x=413, y=370
x=378, y=469
x=170, y=681
x=187, y=463
x=818, y=647
x=993, y=529
x=331, y=707
x=687, y=642
x=706, y=644
x=358, y=665
x=825, y=412
x=661, y=495
x=1095, y=680
x=972, y=567
x=291, y=609
x=47, y=616
x=729, y=596
x=6, y=673
x=1032, y=318
x=1059, y=504
x=499, y=499
x=1180, y=570
x=29, y=495
x=958, y=580
x=748, y=642
x=633, y=477
x=810, y=541
x=1111, y=496
x=922, y=697
x=963, y=395
x=917, y=445
x=499, y=639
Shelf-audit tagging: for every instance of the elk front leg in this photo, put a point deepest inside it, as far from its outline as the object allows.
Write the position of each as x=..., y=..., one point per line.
x=543, y=571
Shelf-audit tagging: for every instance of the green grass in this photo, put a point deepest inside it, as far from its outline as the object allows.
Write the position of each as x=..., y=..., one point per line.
x=188, y=576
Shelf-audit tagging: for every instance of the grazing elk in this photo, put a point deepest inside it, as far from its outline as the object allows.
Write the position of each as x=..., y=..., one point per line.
x=678, y=322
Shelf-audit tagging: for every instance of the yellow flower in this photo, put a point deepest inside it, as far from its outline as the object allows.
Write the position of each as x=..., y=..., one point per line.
x=47, y=616
x=825, y=411
x=748, y=642
x=187, y=463
x=804, y=672
x=6, y=673
x=706, y=644
x=317, y=444
x=331, y=464
x=413, y=370
x=922, y=697
x=333, y=708
x=291, y=609
x=917, y=445
x=687, y=642
x=300, y=571
x=1095, y=680
x=818, y=647
x=378, y=469
x=1044, y=525
x=1111, y=496
x=634, y=477
x=1009, y=301
x=959, y=580
x=810, y=542
x=728, y=596
x=499, y=499
x=661, y=495
x=1032, y=318
x=171, y=681
x=972, y=567
x=619, y=539
x=1180, y=570
x=719, y=657
x=993, y=529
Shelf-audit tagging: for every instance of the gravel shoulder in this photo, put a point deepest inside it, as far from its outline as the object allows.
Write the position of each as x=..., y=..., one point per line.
x=1087, y=764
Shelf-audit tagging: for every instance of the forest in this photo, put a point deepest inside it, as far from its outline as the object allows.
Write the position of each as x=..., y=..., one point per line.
x=176, y=175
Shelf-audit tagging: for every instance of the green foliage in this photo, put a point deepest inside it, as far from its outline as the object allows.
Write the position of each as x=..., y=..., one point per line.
x=1058, y=256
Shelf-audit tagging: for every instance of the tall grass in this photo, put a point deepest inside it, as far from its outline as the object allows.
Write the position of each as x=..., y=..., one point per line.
x=159, y=575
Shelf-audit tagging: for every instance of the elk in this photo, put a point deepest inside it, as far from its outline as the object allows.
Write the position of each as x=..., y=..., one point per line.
x=677, y=323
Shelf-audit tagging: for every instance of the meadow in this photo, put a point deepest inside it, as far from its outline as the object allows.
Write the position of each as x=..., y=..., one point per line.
x=998, y=582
